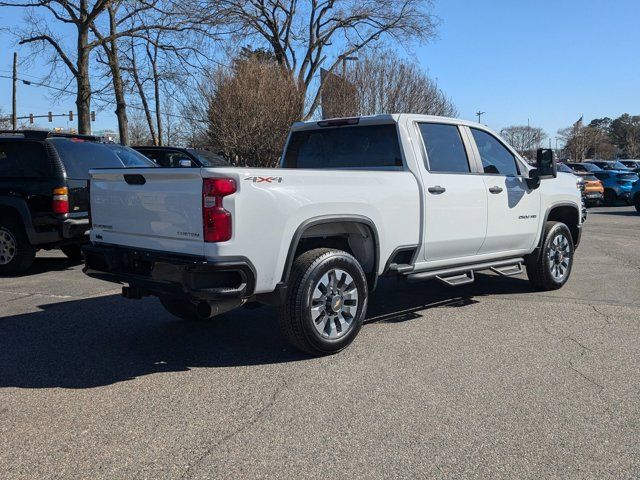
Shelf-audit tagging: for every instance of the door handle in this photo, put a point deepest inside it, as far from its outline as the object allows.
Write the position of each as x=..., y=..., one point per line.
x=495, y=189
x=437, y=190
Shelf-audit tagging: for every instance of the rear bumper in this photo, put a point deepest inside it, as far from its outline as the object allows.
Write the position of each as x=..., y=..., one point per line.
x=73, y=228
x=151, y=272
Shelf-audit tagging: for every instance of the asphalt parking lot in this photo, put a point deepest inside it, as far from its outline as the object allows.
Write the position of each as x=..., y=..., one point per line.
x=491, y=380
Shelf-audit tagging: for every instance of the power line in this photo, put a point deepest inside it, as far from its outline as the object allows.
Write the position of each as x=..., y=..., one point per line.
x=110, y=102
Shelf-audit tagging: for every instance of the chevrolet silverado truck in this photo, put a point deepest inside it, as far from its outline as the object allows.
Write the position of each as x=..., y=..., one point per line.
x=355, y=199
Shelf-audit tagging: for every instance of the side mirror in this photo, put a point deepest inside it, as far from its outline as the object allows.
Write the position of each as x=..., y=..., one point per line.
x=184, y=163
x=533, y=181
x=545, y=164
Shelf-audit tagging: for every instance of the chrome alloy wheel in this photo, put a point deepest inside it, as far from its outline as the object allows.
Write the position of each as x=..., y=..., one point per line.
x=8, y=246
x=559, y=257
x=334, y=303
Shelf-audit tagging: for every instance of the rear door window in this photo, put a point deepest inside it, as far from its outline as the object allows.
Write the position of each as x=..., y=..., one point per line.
x=20, y=159
x=445, y=150
x=79, y=157
x=496, y=158
x=370, y=147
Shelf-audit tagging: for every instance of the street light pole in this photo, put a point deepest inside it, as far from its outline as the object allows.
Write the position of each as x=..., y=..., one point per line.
x=14, y=114
x=479, y=114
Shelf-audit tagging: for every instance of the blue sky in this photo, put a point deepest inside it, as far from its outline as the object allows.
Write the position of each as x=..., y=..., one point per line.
x=546, y=61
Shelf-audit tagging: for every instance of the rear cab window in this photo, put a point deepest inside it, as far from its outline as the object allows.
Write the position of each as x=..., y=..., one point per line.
x=364, y=147
x=24, y=159
x=80, y=156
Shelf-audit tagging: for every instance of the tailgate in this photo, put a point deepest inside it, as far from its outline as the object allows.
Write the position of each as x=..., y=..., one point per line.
x=150, y=208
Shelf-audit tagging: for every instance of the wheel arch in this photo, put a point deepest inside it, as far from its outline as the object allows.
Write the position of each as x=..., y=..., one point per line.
x=567, y=213
x=17, y=209
x=355, y=234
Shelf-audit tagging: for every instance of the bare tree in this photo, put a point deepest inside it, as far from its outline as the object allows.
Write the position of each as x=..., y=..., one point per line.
x=305, y=36
x=82, y=16
x=138, y=133
x=524, y=138
x=380, y=82
x=251, y=109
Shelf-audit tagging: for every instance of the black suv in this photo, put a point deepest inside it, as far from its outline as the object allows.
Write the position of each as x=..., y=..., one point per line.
x=172, y=157
x=44, y=200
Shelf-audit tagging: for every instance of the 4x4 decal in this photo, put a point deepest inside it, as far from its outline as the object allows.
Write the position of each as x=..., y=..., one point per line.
x=265, y=179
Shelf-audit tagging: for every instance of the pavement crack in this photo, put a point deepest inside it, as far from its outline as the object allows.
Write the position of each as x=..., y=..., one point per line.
x=586, y=377
x=603, y=315
x=261, y=414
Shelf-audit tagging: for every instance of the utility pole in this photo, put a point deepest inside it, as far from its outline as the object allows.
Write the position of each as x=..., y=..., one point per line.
x=479, y=114
x=14, y=114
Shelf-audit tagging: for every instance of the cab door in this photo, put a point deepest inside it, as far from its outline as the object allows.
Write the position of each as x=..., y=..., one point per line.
x=455, y=203
x=513, y=209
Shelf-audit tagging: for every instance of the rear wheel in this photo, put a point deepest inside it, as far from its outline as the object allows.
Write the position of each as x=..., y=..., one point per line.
x=73, y=252
x=16, y=253
x=636, y=202
x=552, y=268
x=610, y=198
x=326, y=301
x=180, y=308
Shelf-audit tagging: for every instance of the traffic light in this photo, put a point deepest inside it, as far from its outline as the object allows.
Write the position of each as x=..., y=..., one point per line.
x=50, y=117
x=71, y=115
x=93, y=116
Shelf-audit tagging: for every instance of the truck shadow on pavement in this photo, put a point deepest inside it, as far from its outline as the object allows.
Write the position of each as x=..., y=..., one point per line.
x=104, y=340
x=44, y=265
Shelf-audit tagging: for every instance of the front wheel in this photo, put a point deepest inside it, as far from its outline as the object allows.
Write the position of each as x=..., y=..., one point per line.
x=551, y=269
x=326, y=301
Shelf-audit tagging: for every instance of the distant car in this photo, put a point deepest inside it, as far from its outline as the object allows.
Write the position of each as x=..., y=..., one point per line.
x=632, y=164
x=44, y=201
x=176, y=157
x=609, y=165
x=617, y=183
x=591, y=188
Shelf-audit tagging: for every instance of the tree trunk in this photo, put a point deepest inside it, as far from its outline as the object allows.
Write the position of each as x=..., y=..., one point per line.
x=156, y=92
x=118, y=84
x=83, y=97
x=143, y=96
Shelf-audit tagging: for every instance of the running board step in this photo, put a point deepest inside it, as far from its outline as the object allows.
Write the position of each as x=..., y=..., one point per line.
x=400, y=267
x=508, y=270
x=463, y=274
x=457, y=280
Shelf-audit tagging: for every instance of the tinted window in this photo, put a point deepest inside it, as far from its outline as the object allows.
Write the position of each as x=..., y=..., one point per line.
x=80, y=156
x=23, y=160
x=563, y=168
x=445, y=150
x=210, y=159
x=156, y=156
x=495, y=156
x=374, y=146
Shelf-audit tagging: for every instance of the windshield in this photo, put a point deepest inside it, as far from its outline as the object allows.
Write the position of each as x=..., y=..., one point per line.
x=79, y=156
x=617, y=166
x=563, y=168
x=591, y=167
x=209, y=159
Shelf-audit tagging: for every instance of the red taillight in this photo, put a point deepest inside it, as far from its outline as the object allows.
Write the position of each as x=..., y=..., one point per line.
x=60, y=202
x=215, y=219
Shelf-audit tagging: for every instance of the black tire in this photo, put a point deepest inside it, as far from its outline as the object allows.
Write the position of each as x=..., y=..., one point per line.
x=610, y=198
x=73, y=252
x=636, y=202
x=295, y=316
x=180, y=307
x=17, y=254
x=540, y=270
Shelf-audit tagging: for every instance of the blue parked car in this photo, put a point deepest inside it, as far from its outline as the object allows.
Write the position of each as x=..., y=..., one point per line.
x=618, y=184
x=635, y=195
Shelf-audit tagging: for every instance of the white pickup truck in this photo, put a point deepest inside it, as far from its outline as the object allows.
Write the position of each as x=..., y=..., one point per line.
x=414, y=196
